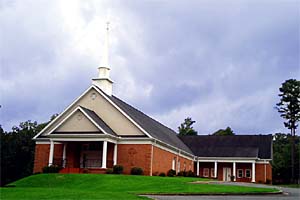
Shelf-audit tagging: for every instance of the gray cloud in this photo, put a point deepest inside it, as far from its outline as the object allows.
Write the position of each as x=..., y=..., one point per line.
x=221, y=63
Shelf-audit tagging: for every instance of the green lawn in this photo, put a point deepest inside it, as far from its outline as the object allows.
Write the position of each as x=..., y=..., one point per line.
x=98, y=186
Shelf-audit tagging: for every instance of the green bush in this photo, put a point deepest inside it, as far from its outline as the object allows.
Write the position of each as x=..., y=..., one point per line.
x=171, y=173
x=162, y=174
x=109, y=171
x=190, y=173
x=51, y=169
x=118, y=169
x=136, y=171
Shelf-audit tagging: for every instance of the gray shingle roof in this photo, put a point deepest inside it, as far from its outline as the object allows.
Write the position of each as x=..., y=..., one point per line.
x=99, y=121
x=230, y=146
x=151, y=126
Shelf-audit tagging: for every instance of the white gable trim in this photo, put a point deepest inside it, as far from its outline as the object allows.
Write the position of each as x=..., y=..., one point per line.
x=121, y=111
x=103, y=95
x=85, y=114
x=58, y=117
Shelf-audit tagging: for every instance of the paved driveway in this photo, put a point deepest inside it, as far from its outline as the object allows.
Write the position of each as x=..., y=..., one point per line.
x=288, y=194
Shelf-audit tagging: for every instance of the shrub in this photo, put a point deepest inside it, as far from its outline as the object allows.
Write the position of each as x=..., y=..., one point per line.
x=171, y=173
x=118, y=169
x=109, y=171
x=85, y=171
x=181, y=173
x=190, y=173
x=136, y=171
x=51, y=169
x=162, y=174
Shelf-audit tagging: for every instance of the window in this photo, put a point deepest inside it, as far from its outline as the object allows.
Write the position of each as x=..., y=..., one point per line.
x=178, y=169
x=206, y=172
x=248, y=173
x=240, y=173
x=174, y=164
x=184, y=166
x=212, y=172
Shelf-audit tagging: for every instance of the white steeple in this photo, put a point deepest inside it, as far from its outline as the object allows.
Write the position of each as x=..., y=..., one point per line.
x=103, y=81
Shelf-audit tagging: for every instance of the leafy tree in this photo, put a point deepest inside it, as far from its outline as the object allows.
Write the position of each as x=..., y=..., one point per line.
x=227, y=131
x=17, y=151
x=281, y=162
x=186, y=127
x=289, y=109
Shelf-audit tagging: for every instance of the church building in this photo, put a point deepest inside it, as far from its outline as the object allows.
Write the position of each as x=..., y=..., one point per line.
x=98, y=130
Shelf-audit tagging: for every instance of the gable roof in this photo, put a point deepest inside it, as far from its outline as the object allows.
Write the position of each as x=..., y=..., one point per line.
x=151, y=126
x=259, y=146
x=98, y=121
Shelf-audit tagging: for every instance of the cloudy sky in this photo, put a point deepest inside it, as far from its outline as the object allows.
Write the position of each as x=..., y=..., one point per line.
x=219, y=62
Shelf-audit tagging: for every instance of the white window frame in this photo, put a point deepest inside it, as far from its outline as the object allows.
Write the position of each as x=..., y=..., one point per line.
x=174, y=164
x=246, y=173
x=238, y=174
x=212, y=172
x=178, y=167
x=205, y=172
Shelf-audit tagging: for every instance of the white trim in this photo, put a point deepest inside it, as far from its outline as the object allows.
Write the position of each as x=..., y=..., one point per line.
x=238, y=174
x=46, y=142
x=249, y=173
x=51, y=153
x=253, y=172
x=216, y=169
x=85, y=114
x=228, y=161
x=172, y=151
x=151, y=162
x=115, y=154
x=104, y=154
x=59, y=116
x=121, y=111
x=134, y=142
x=64, y=154
x=198, y=169
x=205, y=170
x=234, y=171
x=83, y=140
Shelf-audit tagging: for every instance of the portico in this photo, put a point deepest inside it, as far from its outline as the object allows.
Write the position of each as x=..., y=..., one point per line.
x=84, y=153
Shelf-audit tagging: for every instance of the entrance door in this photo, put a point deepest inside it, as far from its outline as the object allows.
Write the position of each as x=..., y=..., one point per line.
x=226, y=174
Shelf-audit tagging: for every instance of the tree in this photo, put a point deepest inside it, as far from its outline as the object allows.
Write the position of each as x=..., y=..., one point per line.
x=282, y=160
x=289, y=109
x=186, y=127
x=227, y=131
x=17, y=151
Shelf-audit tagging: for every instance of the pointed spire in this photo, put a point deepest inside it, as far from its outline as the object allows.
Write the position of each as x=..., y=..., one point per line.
x=105, y=58
x=103, y=81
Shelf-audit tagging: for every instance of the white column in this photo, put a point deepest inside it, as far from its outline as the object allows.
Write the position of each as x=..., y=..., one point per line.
x=64, y=155
x=51, y=153
x=104, y=154
x=216, y=170
x=234, y=171
x=198, y=169
x=115, y=154
x=253, y=172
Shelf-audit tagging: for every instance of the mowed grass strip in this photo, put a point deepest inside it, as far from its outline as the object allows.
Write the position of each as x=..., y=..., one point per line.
x=105, y=186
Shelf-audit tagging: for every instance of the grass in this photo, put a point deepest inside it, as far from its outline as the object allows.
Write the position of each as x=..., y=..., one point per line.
x=105, y=186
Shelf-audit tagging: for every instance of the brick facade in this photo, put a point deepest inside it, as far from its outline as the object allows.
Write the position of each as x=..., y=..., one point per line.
x=162, y=161
x=263, y=172
x=135, y=155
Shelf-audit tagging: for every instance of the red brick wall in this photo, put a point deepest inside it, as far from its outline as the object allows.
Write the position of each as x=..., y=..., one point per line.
x=41, y=156
x=259, y=171
x=260, y=176
x=162, y=161
x=134, y=155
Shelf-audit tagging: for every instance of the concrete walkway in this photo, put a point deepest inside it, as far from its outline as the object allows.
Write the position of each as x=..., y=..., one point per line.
x=288, y=194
